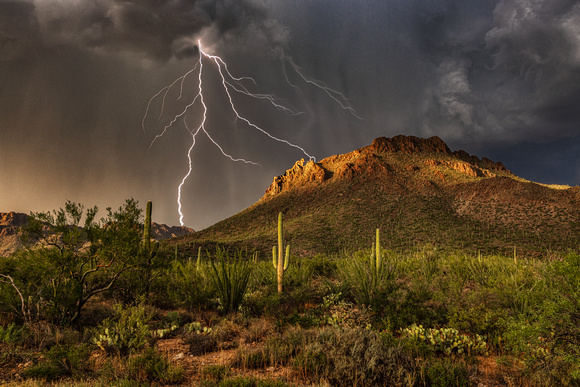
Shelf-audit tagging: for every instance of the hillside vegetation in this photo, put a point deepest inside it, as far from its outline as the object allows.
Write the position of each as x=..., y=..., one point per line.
x=417, y=191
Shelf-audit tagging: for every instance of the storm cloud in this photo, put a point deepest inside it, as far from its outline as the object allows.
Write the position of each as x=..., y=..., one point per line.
x=496, y=78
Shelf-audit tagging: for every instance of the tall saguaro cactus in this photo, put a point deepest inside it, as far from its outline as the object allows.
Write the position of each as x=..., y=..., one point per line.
x=146, y=240
x=376, y=256
x=148, y=251
x=279, y=262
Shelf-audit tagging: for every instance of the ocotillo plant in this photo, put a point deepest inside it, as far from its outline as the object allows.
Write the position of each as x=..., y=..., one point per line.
x=280, y=263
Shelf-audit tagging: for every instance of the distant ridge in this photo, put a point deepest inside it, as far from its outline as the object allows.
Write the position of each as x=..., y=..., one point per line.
x=11, y=222
x=419, y=192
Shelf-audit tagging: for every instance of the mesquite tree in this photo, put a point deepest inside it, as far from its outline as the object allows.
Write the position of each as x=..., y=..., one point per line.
x=85, y=259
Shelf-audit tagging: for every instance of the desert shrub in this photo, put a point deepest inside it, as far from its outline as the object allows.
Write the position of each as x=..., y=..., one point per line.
x=244, y=381
x=278, y=349
x=226, y=330
x=127, y=331
x=481, y=311
x=553, y=370
x=251, y=358
x=258, y=330
x=61, y=361
x=447, y=373
x=264, y=301
x=188, y=285
x=200, y=344
x=231, y=277
x=26, y=292
x=370, y=286
x=215, y=372
x=362, y=357
x=340, y=313
x=151, y=366
x=322, y=266
x=11, y=334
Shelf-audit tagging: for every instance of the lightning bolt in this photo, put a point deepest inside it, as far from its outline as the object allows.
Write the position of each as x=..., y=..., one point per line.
x=335, y=95
x=230, y=84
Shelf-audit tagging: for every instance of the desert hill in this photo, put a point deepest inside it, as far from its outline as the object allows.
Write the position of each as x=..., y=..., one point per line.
x=417, y=191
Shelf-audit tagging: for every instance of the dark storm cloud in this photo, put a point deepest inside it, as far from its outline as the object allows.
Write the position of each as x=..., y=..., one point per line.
x=503, y=79
x=499, y=77
x=158, y=29
x=18, y=29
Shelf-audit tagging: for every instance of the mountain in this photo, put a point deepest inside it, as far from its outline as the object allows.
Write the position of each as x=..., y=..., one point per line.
x=11, y=222
x=417, y=191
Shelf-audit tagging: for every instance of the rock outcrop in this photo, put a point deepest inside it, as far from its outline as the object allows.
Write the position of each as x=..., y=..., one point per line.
x=373, y=160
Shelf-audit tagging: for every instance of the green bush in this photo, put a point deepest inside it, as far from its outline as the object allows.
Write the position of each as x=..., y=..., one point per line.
x=61, y=361
x=371, y=286
x=242, y=381
x=215, y=372
x=126, y=332
x=77, y=261
x=448, y=374
x=150, y=366
x=231, y=277
x=361, y=356
x=188, y=285
x=200, y=344
x=11, y=334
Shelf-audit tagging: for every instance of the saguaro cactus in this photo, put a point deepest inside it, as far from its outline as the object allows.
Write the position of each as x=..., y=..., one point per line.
x=146, y=240
x=280, y=263
x=376, y=256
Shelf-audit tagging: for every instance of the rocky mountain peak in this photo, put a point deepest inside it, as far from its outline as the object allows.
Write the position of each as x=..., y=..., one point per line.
x=384, y=157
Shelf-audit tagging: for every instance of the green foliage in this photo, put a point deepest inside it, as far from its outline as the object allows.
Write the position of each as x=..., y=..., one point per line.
x=79, y=262
x=447, y=340
x=152, y=367
x=126, y=332
x=371, y=286
x=340, y=313
x=11, y=334
x=188, y=285
x=244, y=381
x=61, y=361
x=446, y=374
x=231, y=277
x=360, y=357
x=201, y=342
x=215, y=372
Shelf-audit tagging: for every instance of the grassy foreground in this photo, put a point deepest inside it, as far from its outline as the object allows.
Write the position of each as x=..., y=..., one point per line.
x=423, y=318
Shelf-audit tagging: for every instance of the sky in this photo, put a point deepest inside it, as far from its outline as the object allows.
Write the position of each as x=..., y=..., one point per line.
x=81, y=112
